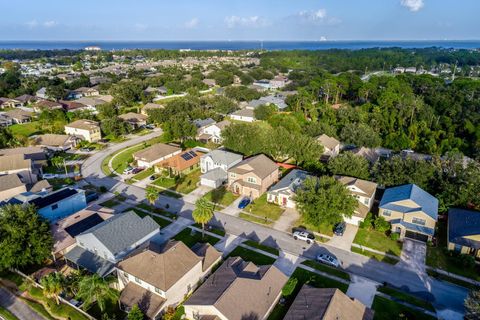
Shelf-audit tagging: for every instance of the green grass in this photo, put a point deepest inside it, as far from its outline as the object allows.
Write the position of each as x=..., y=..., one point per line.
x=376, y=256
x=456, y=281
x=218, y=231
x=165, y=182
x=221, y=196
x=179, y=313
x=7, y=315
x=144, y=174
x=396, y=293
x=262, y=247
x=105, y=169
x=326, y=229
x=183, y=184
x=327, y=269
x=191, y=237
x=388, y=309
x=25, y=129
x=254, y=219
x=149, y=208
x=378, y=241
x=161, y=222
x=260, y=207
x=437, y=257
x=110, y=203
x=249, y=255
x=39, y=308
x=112, y=310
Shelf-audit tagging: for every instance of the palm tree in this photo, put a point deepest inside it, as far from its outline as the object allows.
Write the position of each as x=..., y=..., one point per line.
x=53, y=285
x=96, y=289
x=203, y=213
x=151, y=194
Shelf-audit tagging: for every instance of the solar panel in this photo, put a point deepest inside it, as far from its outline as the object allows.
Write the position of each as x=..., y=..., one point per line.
x=186, y=156
x=193, y=154
x=83, y=225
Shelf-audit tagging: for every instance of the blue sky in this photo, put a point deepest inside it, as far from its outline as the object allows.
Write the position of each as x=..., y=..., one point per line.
x=239, y=19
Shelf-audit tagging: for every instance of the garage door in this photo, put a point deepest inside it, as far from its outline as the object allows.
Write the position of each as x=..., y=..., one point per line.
x=208, y=183
x=416, y=236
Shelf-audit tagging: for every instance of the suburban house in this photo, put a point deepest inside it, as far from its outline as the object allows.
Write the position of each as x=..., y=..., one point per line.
x=181, y=163
x=364, y=192
x=202, y=123
x=26, y=99
x=331, y=146
x=56, y=142
x=214, y=166
x=237, y=290
x=135, y=120
x=72, y=106
x=282, y=193
x=18, y=164
x=91, y=102
x=245, y=115
x=19, y=115
x=99, y=248
x=41, y=93
x=9, y=103
x=87, y=129
x=146, y=158
x=213, y=132
x=276, y=99
x=326, y=304
x=372, y=154
x=46, y=105
x=36, y=155
x=150, y=106
x=65, y=230
x=10, y=186
x=5, y=121
x=278, y=82
x=253, y=176
x=210, y=82
x=412, y=211
x=464, y=231
x=163, y=275
x=83, y=92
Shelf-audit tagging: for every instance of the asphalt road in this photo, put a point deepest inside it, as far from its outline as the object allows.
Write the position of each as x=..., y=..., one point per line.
x=16, y=306
x=444, y=296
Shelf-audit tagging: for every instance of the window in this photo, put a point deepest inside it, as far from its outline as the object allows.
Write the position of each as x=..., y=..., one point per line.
x=251, y=180
x=158, y=290
x=138, y=280
x=387, y=213
x=418, y=221
x=55, y=206
x=125, y=275
x=366, y=201
x=233, y=175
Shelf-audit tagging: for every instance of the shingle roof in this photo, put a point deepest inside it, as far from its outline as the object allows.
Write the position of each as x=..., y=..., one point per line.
x=328, y=142
x=133, y=117
x=260, y=165
x=215, y=174
x=118, y=233
x=223, y=157
x=462, y=224
x=200, y=123
x=32, y=153
x=155, y=152
x=244, y=113
x=10, y=181
x=54, y=140
x=18, y=114
x=84, y=124
x=425, y=201
x=291, y=181
x=14, y=162
x=150, y=303
x=367, y=186
x=89, y=261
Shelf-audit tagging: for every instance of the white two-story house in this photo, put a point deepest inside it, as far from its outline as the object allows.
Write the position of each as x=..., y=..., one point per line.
x=364, y=192
x=214, y=166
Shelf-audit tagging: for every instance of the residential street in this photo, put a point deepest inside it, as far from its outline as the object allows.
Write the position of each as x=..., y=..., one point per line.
x=444, y=295
x=16, y=306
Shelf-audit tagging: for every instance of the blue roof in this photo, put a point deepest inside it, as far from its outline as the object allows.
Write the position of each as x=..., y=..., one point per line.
x=463, y=223
x=425, y=201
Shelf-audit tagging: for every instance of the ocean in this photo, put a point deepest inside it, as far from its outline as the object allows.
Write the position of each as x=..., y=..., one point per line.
x=236, y=45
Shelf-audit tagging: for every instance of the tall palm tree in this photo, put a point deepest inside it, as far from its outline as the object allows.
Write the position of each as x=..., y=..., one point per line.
x=203, y=213
x=53, y=285
x=93, y=288
x=151, y=194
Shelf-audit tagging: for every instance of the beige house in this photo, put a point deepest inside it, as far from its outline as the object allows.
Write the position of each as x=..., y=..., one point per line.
x=283, y=192
x=411, y=211
x=146, y=158
x=163, y=275
x=151, y=106
x=331, y=146
x=253, y=176
x=364, y=192
x=19, y=115
x=87, y=129
x=10, y=186
x=56, y=142
x=19, y=165
x=238, y=290
x=136, y=120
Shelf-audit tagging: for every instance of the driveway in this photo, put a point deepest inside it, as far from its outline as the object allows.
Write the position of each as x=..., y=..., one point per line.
x=16, y=306
x=196, y=194
x=344, y=242
x=362, y=289
x=413, y=255
x=232, y=209
x=287, y=220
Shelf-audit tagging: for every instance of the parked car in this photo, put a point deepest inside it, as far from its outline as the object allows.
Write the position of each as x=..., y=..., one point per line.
x=89, y=149
x=153, y=177
x=49, y=176
x=328, y=259
x=304, y=235
x=340, y=228
x=128, y=170
x=137, y=170
x=150, y=126
x=244, y=203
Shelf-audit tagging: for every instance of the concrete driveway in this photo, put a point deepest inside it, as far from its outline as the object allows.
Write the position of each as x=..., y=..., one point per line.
x=362, y=289
x=344, y=242
x=287, y=220
x=233, y=209
x=413, y=255
x=196, y=194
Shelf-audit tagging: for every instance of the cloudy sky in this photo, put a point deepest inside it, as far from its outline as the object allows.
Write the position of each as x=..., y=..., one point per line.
x=239, y=19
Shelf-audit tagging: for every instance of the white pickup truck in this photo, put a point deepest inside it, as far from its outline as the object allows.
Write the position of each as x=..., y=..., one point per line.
x=304, y=235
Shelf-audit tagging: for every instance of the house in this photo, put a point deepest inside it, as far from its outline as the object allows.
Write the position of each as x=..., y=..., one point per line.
x=201, y=123
x=99, y=248
x=72, y=106
x=151, y=106
x=181, y=163
x=331, y=146
x=87, y=129
x=283, y=192
x=213, y=132
x=326, y=304
x=210, y=82
x=41, y=186
x=262, y=84
x=56, y=142
x=5, y=121
x=278, y=82
x=65, y=230
x=18, y=164
x=41, y=93
x=19, y=115
x=146, y=158
x=372, y=154
x=464, y=231
x=41, y=105
x=412, y=211
x=83, y=92
x=245, y=115
x=90, y=102
x=364, y=192
x=214, y=166
x=10, y=186
x=36, y=154
x=237, y=290
x=26, y=99
x=253, y=176
x=277, y=100
x=9, y=103
x=136, y=120
x=163, y=275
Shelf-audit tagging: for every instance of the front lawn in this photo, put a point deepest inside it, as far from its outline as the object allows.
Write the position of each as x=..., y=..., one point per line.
x=7, y=315
x=249, y=255
x=323, y=228
x=191, y=237
x=403, y=296
x=25, y=129
x=388, y=309
x=378, y=241
x=376, y=256
x=221, y=196
x=165, y=182
x=327, y=269
x=144, y=174
x=260, y=207
x=183, y=184
x=254, y=219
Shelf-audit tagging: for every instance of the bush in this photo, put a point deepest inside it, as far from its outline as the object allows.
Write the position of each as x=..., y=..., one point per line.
x=381, y=225
x=289, y=287
x=394, y=236
x=367, y=223
x=466, y=260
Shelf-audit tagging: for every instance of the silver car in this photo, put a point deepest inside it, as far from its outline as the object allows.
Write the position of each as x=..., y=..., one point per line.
x=328, y=259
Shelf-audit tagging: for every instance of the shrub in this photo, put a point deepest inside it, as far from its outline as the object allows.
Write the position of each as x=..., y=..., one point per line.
x=382, y=225
x=289, y=287
x=367, y=223
x=394, y=236
x=466, y=260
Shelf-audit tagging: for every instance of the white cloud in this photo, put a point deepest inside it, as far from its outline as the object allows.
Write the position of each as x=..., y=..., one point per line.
x=46, y=24
x=250, y=22
x=50, y=24
x=319, y=16
x=412, y=5
x=193, y=23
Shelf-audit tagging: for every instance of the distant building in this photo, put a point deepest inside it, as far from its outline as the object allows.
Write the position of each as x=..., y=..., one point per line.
x=87, y=129
x=245, y=115
x=146, y=158
x=135, y=120
x=151, y=106
x=56, y=142
x=41, y=93
x=212, y=132
x=19, y=115
x=364, y=192
x=331, y=146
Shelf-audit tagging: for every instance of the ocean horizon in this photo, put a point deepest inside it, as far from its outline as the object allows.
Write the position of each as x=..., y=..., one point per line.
x=239, y=45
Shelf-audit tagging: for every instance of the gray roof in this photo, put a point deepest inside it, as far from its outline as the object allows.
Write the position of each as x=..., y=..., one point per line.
x=32, y=153
x=14, y=162
x=200, y=123
x=463, y=223
x=10, y=181
x=276, y=100
x=223, y=157
x=121, y=231
x=425, y=201
x=292, y=181
x=90, y=261
x=215, y=175
x=244, y=113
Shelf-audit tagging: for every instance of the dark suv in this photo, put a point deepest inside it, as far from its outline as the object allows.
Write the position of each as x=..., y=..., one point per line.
x=340, y=228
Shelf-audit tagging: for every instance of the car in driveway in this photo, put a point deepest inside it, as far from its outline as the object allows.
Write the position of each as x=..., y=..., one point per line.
x=128, y=170
x=137, y=170
x=340, y=228
x=304, y=236
x=244, y=203
x=152, y=177
x=328, y=259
